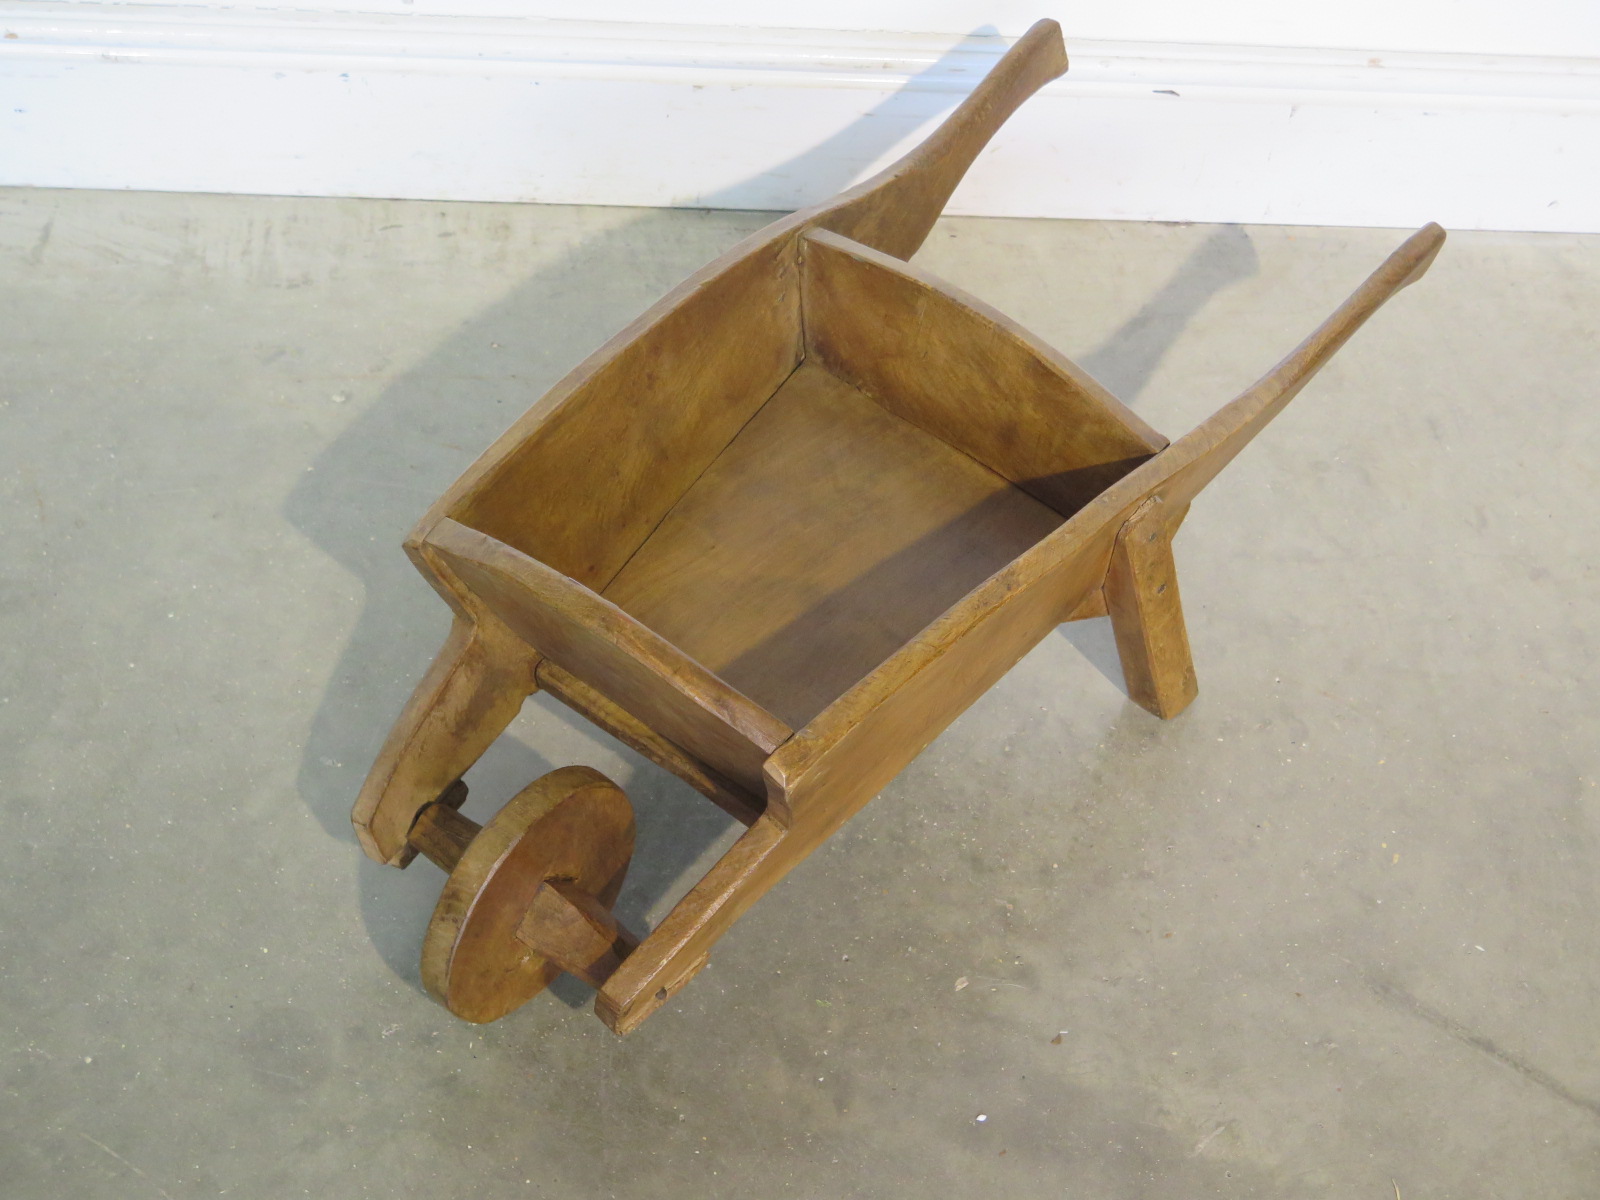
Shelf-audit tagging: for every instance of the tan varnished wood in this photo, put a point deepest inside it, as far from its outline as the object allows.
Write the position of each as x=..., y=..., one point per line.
x=706, y=356
x=917, y=692
x=1093, y=605
x=606, y=454
x=1141, y=594
x=1180, y=473
x=441, y=834
x=894, y=210
x=610, y=650
x=829, y=770
x=826, y=536
x=844, y=756
x=951, y=365
x=676, y=950
x=1000, y=620
x=914, y=695
x=582, y=478
x=820, y=491
x=572, y=929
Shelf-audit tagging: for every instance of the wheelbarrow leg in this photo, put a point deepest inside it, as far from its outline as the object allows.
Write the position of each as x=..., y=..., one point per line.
x=473, y=690
x=1141, y=592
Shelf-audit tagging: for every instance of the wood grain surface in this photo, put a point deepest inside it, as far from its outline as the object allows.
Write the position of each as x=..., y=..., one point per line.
x=827, y=535
x=785, y=528
x=622, y=659
x=951, y=365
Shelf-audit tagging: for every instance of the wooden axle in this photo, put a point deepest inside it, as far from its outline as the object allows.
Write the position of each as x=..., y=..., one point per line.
x=529, y=894
x=441, y=834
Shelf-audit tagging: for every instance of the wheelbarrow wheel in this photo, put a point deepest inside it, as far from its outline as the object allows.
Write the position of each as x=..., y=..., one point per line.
x=530, y=894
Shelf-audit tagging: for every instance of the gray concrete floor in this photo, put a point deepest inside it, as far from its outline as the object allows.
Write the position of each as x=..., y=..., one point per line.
x=1329, y=934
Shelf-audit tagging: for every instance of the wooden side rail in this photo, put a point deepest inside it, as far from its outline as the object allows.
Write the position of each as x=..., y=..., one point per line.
x=828, y=770
x=589, y=704
x=1141, y=588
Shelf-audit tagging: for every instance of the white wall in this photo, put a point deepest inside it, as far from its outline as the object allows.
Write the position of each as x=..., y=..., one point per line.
x=1476, y=114
x=1553, y=27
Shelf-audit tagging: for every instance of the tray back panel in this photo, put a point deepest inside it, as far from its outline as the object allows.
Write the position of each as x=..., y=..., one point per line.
x=967, y=374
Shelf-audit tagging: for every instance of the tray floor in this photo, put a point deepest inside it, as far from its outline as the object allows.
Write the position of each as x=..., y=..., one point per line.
x=825, y=536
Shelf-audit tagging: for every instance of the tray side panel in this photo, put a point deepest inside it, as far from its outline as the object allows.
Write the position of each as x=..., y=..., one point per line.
x=828, y=770
x=967, y=374
x=603, y=457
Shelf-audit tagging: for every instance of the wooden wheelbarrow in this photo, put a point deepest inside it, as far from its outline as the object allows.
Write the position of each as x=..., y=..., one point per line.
x=775, y=536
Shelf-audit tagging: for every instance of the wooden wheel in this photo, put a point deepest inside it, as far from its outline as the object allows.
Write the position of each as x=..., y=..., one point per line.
x=528, y=895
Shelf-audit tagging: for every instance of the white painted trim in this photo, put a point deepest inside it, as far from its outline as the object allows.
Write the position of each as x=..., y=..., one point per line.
x=176, y=35
x=501, y=108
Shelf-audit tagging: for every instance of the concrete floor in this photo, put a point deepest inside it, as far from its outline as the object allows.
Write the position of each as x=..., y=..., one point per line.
x=1331, y=933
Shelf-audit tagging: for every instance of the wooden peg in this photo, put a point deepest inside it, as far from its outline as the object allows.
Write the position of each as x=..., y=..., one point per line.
x=575, y=931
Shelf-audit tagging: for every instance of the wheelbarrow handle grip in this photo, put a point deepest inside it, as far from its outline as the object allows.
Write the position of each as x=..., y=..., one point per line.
x=1404, y=267
x=1196, y=458
x=894, y=210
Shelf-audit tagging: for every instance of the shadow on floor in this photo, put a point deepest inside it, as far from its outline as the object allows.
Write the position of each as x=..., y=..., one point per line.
x=1126, y=360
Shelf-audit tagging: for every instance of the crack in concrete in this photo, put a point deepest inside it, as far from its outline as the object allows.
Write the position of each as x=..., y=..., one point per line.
x=1417, y=1008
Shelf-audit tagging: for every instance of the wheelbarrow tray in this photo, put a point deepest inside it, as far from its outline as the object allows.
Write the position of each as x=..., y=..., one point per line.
x=783, y=529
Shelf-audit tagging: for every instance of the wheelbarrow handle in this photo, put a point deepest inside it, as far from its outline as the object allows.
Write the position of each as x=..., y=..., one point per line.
x=1196, y=458
x=894, y=210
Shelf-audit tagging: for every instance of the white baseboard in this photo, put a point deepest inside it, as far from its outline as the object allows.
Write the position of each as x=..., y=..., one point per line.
x=180, y=98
